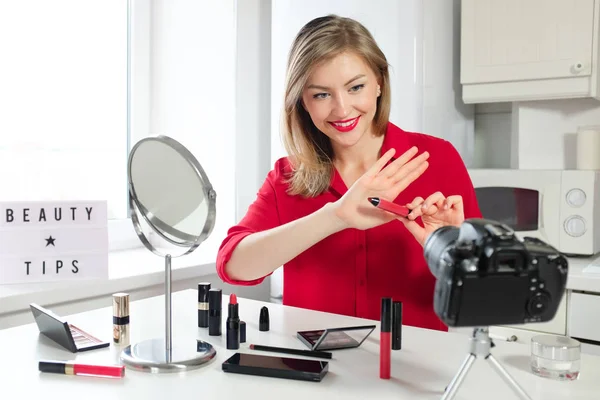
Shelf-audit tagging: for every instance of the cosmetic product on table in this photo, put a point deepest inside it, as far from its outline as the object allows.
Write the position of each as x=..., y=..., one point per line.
x=214, y=312
x=385, y=348
x=120, y=302
x=233, y=324
x=335, y=338
x=263, y=320
x=555, y=357
x=74, y=368
x=397, y=325
x=60, y=331
x=242, y=332
x=308, y=353
x=203, y=289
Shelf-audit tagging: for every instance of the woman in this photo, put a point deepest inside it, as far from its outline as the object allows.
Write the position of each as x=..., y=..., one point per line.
x=312, y=214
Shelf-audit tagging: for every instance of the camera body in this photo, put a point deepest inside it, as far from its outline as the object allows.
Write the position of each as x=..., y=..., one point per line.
x=486, y=275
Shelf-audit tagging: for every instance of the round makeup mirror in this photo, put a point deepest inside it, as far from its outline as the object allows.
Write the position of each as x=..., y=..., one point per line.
x=173, y=210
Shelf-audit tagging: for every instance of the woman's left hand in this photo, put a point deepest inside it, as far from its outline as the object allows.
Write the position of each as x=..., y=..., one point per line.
x=435, y=211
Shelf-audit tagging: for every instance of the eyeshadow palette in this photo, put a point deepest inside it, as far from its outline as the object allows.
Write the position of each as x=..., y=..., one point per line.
x=335, y=338
x=60, y=331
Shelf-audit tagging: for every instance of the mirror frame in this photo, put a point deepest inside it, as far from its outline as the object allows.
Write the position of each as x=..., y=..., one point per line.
x=157, y=225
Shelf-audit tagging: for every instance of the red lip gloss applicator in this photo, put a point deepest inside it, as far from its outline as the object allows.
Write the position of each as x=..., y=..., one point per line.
x=74, y=368
x=388, y=206
x=385, y=341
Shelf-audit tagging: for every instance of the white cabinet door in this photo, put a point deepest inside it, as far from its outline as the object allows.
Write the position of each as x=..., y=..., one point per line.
x=516, y=40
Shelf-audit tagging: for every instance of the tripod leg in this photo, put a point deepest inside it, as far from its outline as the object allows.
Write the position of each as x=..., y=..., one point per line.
x=508, y=378
x=459, y=378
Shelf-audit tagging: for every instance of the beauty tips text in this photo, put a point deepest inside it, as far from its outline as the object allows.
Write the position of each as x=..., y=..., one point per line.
x=53, y=241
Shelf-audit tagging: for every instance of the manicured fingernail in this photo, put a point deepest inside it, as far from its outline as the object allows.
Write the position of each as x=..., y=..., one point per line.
x=424, y=206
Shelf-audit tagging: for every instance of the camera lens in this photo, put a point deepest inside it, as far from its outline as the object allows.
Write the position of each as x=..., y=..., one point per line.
x=435, y=246
x=538, y=304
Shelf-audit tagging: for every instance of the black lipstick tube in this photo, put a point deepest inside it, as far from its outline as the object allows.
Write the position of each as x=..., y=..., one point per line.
x=397, y=325
x=214, y=312
x=203, y=289
x=233, y=327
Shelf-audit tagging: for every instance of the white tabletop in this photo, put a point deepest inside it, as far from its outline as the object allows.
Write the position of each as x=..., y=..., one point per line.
x=425, y=365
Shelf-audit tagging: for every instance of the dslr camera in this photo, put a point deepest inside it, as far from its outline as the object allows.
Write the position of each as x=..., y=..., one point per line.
x=486, y=275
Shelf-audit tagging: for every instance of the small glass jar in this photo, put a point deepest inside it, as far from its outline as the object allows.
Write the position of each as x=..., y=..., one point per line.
x=555, y=357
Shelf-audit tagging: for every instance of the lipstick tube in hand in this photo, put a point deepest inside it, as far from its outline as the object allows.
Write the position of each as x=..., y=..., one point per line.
x=389, y=206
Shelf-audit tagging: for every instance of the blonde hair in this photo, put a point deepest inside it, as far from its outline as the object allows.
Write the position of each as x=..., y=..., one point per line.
x=309, y=150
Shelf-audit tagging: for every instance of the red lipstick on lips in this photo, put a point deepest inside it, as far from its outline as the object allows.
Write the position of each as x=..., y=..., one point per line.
x=347, y=128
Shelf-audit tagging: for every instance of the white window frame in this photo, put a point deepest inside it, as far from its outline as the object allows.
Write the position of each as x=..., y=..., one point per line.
x=121, y=233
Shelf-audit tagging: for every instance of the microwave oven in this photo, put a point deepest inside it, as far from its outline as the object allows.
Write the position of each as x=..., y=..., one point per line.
x=560, y=207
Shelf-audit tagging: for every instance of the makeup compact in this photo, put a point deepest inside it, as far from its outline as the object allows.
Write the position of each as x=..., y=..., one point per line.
x=335, y=338
x=60, y=331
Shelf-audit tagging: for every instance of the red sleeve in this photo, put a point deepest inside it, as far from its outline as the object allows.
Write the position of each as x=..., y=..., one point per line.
x=461, y=183
x=261, y=215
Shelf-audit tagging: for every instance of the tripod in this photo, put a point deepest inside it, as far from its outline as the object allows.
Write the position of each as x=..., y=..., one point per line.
x=480, y=345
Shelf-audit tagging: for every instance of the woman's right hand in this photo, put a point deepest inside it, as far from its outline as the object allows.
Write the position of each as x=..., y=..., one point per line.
x=386, y=182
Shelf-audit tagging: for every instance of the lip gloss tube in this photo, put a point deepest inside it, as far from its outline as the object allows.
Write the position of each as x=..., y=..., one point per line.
x=385, y=346
x=397, y=325
x=233, y=324
x=203, y=289
x=214, y=312
x=73, y=368
x=388, y=206
x=121, y=318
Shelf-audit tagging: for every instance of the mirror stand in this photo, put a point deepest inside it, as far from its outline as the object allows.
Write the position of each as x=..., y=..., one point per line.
x=158, y=355
x=159, y=208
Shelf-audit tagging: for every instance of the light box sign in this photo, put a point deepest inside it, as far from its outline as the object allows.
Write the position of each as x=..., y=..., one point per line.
x=53, y=241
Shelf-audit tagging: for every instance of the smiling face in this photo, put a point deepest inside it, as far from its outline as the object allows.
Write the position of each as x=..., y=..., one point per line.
x=341, y=99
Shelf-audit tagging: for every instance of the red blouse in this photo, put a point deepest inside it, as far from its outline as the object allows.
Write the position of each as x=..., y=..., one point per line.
x=350, y=271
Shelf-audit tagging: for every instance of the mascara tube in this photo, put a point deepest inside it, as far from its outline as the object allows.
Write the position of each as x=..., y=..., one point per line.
x=397, y=325
x=214, y=312
x=203, y=289
x=121, y=318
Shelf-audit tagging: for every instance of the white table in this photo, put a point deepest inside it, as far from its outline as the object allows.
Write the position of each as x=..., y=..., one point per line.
x=425, y=365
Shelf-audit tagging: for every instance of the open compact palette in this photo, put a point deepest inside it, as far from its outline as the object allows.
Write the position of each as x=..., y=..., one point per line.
x=60, y=331
x=335, y=338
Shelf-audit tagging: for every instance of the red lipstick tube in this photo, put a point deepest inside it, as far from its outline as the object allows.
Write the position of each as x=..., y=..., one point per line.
x=233, y=324
x=73, y=368
x=389, y=206
x=385, y=340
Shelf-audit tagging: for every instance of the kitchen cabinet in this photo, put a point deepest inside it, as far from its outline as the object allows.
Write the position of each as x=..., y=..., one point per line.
x=514, y=50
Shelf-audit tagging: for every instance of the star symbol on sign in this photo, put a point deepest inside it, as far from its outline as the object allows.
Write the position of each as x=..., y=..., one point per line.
x=50, y=241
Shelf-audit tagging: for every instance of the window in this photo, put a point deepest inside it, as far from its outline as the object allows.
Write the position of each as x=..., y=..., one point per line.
x=82, y=80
